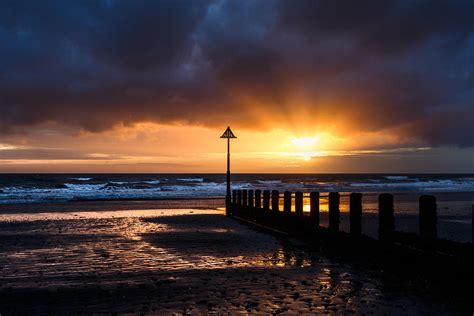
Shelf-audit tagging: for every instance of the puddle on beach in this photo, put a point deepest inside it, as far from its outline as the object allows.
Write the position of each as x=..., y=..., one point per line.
x=196, y=255
x=48, y=244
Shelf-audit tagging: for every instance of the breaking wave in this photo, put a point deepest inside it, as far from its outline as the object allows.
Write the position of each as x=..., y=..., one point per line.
x=61, y=188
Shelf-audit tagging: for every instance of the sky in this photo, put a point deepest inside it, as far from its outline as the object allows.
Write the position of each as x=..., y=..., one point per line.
x=307, y=86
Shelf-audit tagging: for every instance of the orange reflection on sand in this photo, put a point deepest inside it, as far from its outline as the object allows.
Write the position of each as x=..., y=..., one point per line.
x=51, y=216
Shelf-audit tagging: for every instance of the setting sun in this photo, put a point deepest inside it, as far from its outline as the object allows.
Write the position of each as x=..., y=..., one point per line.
x=305, y=143
x=307, y=157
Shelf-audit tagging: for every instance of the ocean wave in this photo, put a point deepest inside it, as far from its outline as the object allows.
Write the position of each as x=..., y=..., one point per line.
x=153, y=182
x=269, y=181
x=81, y=179
x=397, y=178
x=203, y=187
x=64, y=188
x=429, y=185
x=241, y=185
x=132, y=183
x=127, y=185
x=191, y=179
x=82, y=187
x=108, y=191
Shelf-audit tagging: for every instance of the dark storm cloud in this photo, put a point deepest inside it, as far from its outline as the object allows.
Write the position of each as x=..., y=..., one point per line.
x=406, y=66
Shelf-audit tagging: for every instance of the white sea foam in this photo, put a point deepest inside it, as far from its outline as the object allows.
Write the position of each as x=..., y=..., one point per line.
x=85, y=191
x=135, y=182
x=153, y=182
x=429, y=185
x=156, y=188
x=81, y=187
x=191, y=179
x=241, y=185
x=81, y=179
x=202, y=187
x=269, y=181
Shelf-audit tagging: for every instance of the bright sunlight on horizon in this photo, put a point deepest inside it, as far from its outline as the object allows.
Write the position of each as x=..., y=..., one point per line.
x=151, y=147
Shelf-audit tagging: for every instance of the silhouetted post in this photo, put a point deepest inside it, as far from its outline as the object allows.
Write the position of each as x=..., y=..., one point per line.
x=275, y=201
x=355, y=213
x=334, y=213
x=239, y=197
x=314, y=209
x=266, y=200
x=234, y=197
x=228, y=134
x=472, y=224
x=428, y=216
x=386, y=217
x=251, y=198
x=258, y=198
x=244, y=198
x=299, y=203
x=287, y=202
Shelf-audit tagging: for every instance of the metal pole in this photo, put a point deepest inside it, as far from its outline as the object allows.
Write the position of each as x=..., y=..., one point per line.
x=228, y=134
x=227, y=197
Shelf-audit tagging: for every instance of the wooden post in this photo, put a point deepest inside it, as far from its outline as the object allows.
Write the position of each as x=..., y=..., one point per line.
x=428, y=216
x=258, y=198
x=266, y=200
x=287, y=202
x=234, y=197
x=386, y=217
x=239, y=197
x=355, y=213
x=334, y=213
x=314, y=209
x=251, y=204
x=299, y=203
x=275, y=201
x=244, y=197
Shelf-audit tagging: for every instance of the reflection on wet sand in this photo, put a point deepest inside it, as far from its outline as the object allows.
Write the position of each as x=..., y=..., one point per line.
x=181, y=261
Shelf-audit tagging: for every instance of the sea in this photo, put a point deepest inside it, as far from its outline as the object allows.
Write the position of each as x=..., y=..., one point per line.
x=454, y=192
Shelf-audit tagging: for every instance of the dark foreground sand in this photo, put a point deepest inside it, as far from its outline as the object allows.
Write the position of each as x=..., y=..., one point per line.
x=180, y=261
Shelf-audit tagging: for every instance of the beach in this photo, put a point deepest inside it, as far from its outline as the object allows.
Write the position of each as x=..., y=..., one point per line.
x=218, y=157
x=33, y=193
x=178, y=260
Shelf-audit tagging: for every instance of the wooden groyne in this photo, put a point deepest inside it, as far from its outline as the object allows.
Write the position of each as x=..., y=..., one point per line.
x=415, y=255
x=265, y=208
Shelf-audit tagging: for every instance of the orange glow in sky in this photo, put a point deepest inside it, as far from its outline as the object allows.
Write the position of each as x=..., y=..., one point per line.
x=151, y=147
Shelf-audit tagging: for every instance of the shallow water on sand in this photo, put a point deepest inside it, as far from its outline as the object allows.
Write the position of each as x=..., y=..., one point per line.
x=185, y=261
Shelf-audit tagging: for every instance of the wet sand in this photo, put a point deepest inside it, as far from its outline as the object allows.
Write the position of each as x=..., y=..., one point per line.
x=454, y=211
x=180, y=261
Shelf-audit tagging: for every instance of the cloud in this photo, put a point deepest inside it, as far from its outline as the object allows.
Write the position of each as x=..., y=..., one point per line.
x=405, y=67
x=38, y=154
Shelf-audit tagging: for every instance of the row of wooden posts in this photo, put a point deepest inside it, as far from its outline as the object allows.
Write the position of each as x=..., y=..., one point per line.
x=250, y=199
